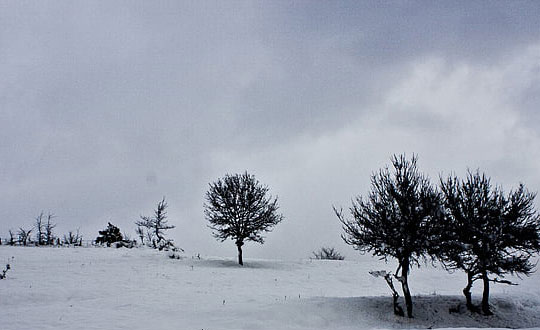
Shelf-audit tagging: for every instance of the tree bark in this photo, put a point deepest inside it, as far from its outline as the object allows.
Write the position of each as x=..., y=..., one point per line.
x=485, y=295
x=467, y=292
x=239, y=245
x=405, y=287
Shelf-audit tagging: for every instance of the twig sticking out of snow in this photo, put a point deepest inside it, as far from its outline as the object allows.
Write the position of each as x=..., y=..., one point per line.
x=3, y=275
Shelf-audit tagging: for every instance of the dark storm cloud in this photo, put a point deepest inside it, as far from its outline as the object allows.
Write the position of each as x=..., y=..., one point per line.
x=107, y=106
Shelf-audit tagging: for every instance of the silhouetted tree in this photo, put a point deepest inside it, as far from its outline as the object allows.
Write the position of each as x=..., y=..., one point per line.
x=24, y=236
x=73, y=238
x=110, y=235
x=40, y=229
x=49, y=226
x=156, y=227
x=11, y=237
x=238, y=207
x=397, y=219
x=487, y=234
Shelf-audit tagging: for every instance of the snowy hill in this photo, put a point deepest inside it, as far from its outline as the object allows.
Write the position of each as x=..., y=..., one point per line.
x=99, y=288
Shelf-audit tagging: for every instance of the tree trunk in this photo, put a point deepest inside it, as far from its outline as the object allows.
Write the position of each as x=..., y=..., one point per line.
x=405, y=287
x=239, y=245
x=485, y=295
x=467, y=292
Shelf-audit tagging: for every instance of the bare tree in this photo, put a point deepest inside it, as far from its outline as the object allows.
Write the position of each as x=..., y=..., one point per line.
x=49, y=226
x=24, y=236
x=397, y=219
x=156, y=227
x=487, y=234
x=11, y=237
x=238, y=207
x=40, y=229
x=73, y=238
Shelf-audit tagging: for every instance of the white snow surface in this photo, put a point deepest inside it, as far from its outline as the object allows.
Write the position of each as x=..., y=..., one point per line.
x=107, y=288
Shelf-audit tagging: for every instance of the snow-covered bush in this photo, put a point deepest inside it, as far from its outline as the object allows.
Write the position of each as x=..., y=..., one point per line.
x=110, y=235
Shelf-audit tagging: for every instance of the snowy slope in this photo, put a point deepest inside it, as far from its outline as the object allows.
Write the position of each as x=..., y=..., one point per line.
x=99, y=288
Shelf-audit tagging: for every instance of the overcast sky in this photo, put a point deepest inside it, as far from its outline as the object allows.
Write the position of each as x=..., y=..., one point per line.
x=107, y=106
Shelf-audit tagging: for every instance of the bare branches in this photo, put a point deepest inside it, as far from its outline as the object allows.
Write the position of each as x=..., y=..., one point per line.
x=397, y=218
x=328, y=253
x=487, y=231
x=156, y=227
x=24, y=236
x=395, y=295
x=239, y=207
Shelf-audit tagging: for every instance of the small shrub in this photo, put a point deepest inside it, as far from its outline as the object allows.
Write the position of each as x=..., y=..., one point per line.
x=3, y=275
x=328, y=253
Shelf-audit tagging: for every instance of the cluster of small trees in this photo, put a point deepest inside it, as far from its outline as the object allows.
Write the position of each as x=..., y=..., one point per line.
x=42, y=234
x=238, y=207
x=150, y=230
x=466, y=224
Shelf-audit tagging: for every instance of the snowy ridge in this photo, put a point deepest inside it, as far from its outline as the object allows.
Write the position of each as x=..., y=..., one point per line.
x=99, y=288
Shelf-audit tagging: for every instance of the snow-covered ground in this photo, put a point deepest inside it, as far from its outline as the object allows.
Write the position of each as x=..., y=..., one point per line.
x=100, y=288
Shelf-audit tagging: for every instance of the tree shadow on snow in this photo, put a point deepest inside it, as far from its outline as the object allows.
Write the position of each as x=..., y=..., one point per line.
x=431, y=311
x=250, y=264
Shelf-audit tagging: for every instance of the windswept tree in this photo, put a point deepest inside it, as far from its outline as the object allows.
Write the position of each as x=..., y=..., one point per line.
x=396, y=220
x=487, y=234
x=239, y=208
x=156, y=227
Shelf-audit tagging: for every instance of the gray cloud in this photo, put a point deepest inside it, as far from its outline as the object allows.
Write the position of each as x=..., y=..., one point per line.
x=107, y=106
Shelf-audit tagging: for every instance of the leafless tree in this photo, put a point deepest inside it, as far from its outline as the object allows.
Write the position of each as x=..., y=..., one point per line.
x=24, y=236
x=11, y=238
x=49, y=226
x=40, y=229
x=73, y=238
x=156, y=227
x=397, y=219
x=238, y=207
x=487, y=233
